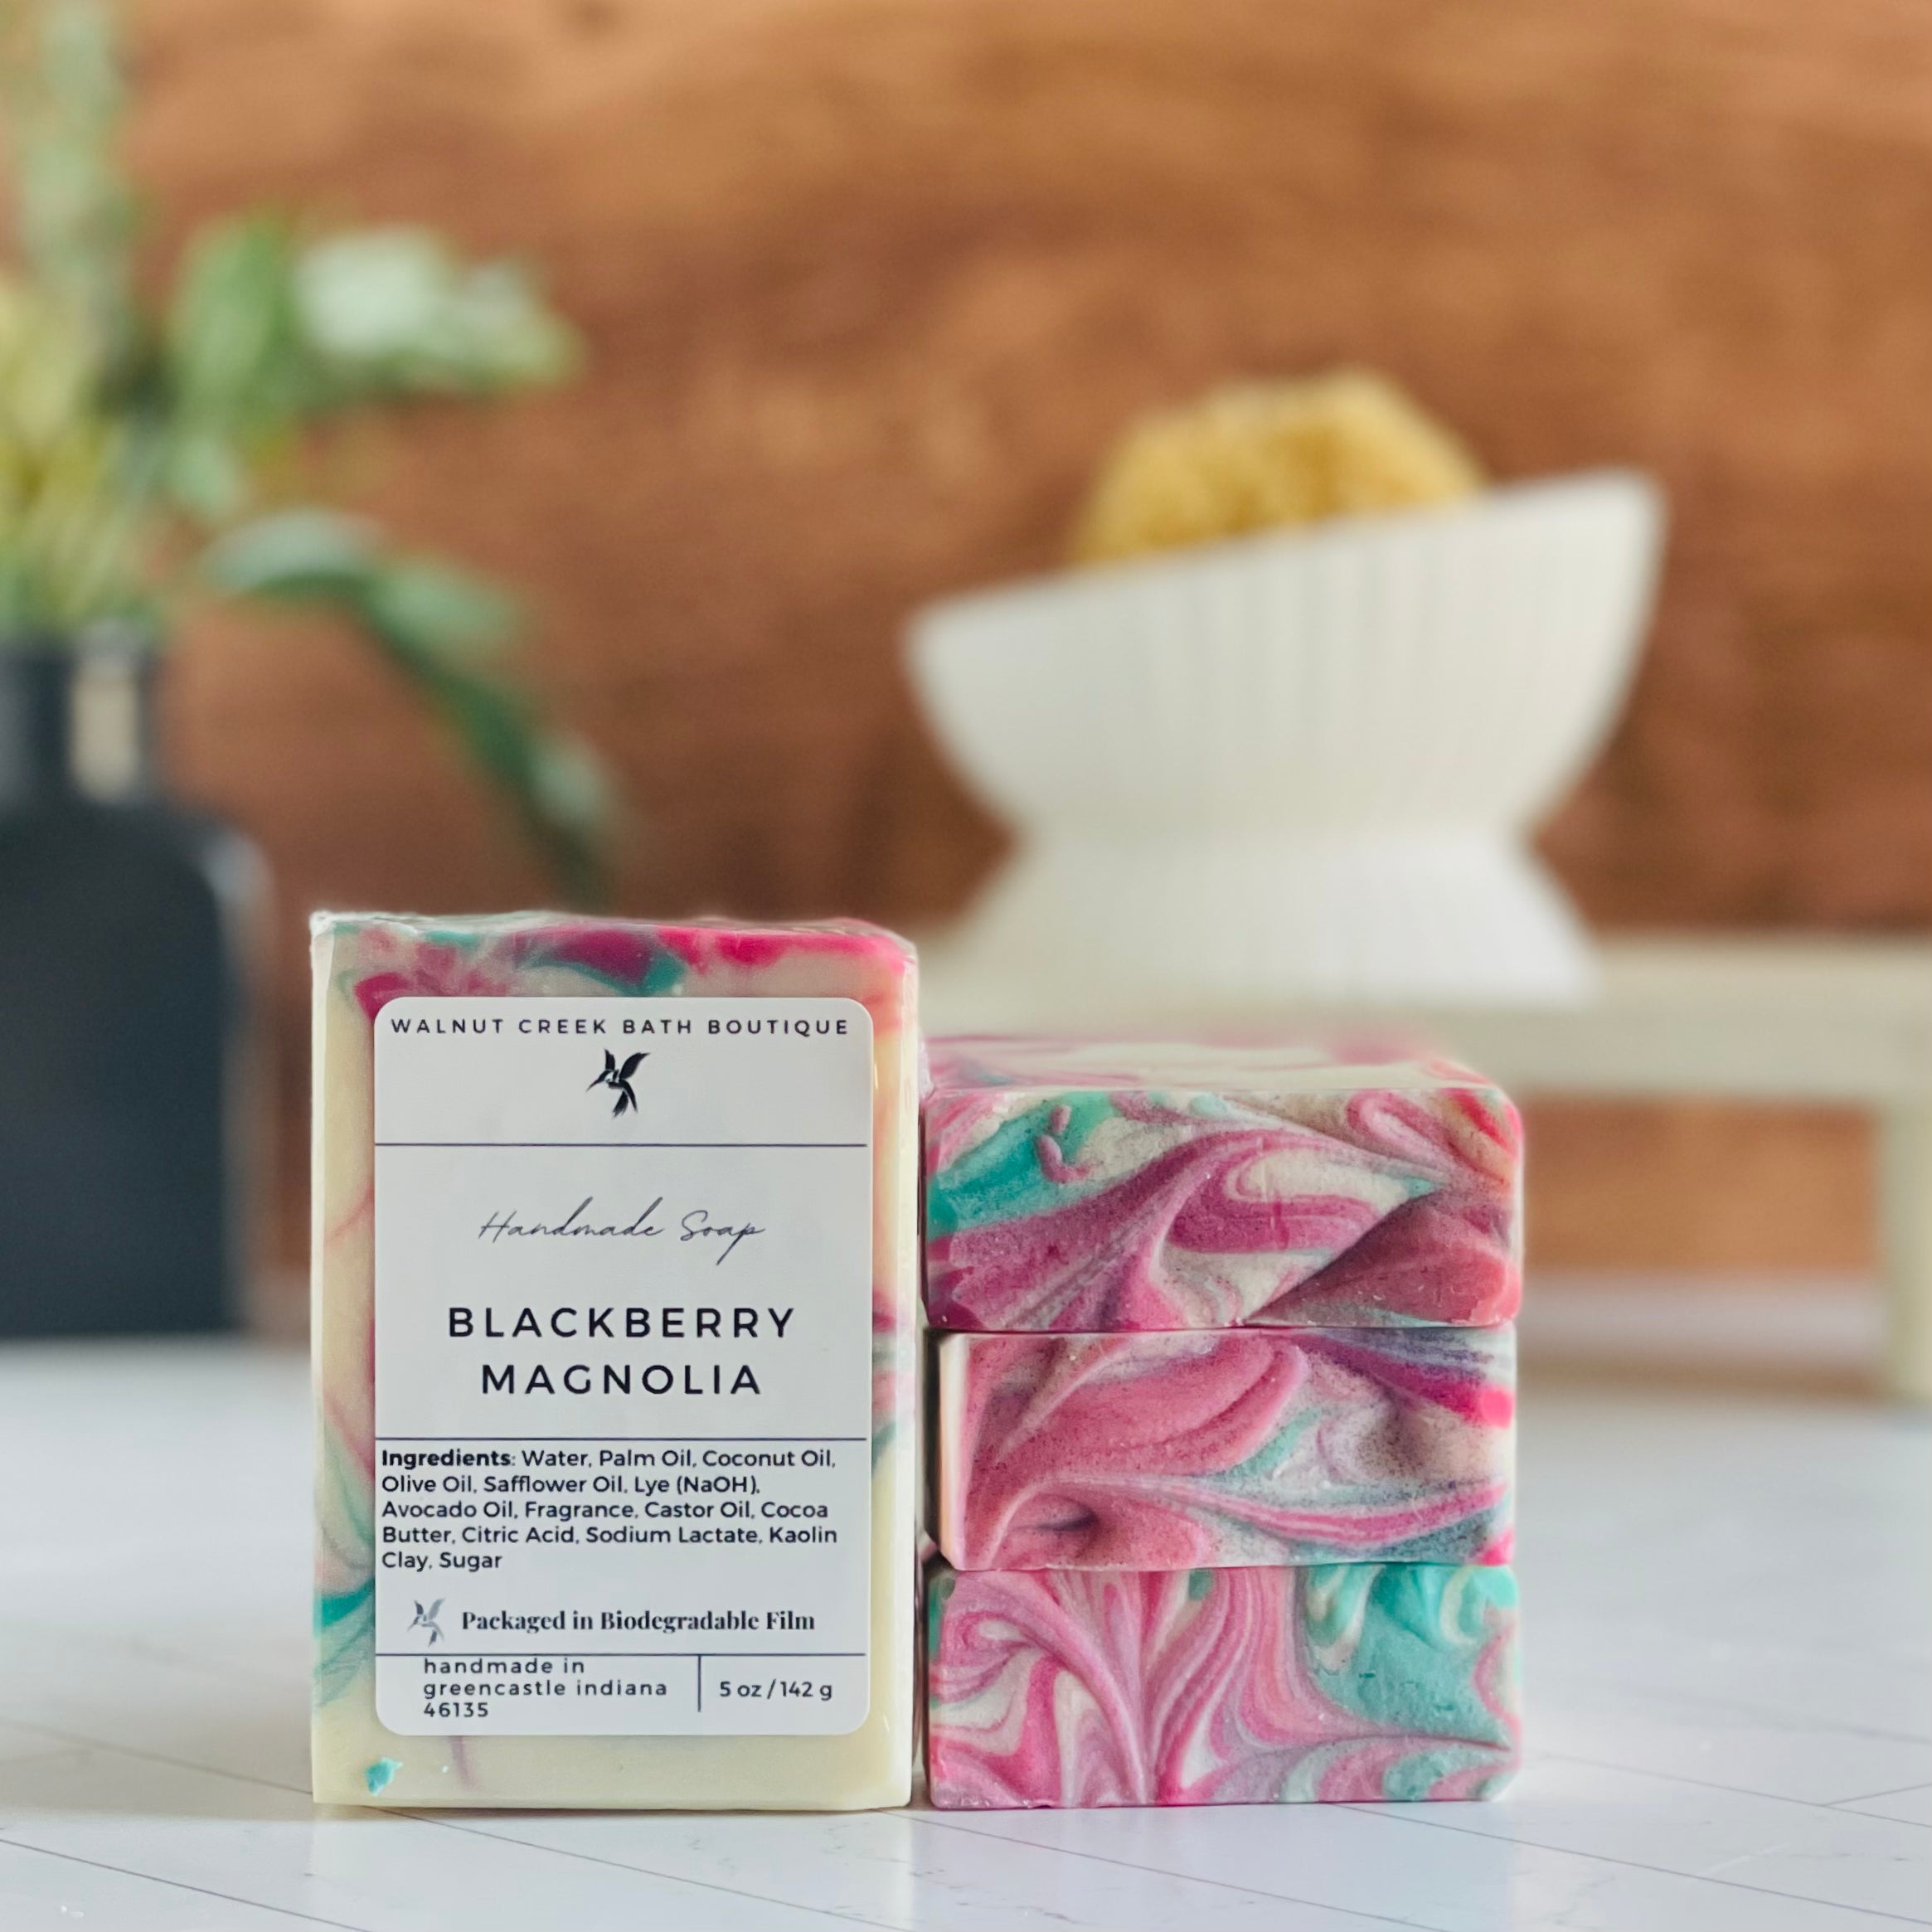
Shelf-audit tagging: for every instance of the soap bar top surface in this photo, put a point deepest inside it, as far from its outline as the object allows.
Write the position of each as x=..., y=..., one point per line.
x=1351, y=1683
x=385, y=956
x=1245, y=1446
x=447, y=972
x=1089, y=1187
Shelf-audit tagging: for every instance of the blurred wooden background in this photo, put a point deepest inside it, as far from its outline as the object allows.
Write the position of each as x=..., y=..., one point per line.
x=869, y=284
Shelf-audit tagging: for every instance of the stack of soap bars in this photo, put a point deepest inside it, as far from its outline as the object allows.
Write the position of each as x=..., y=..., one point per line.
x=1225, y=1426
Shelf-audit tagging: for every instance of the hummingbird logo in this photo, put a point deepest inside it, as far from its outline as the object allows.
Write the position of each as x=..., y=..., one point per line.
x=425, y=1619
x=618, y=1080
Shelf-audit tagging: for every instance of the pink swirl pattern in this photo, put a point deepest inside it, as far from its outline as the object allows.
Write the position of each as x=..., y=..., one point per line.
x=1081, y=1188
x=1247, y=1446
x=363, y=962
x=1348, y=1682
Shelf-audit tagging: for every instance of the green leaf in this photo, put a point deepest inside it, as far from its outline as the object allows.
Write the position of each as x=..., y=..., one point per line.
x=75, y=535
x=295, y=555
x=263, y=334
x=240, y=377
x=445, y=609
x=437, y=625
x=77, y=215
x=392, y=310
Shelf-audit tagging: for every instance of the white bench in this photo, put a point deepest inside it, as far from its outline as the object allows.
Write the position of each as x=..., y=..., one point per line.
x=1837, y=1023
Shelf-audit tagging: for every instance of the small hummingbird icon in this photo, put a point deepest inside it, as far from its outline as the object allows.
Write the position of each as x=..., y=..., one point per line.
x=618, y=1079
x=426, y=1620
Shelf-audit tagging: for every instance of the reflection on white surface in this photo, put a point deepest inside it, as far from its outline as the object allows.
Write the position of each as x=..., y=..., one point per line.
x=1725, y=1735
x=1811, y=1330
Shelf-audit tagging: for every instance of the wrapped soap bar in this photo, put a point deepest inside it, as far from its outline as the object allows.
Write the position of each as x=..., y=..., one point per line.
x=1084, y=1188
x=1353, y=1682
x=614, y=1307
x=1239, y=1446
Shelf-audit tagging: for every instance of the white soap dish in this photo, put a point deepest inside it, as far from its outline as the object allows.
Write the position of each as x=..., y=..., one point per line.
x=1293, y=768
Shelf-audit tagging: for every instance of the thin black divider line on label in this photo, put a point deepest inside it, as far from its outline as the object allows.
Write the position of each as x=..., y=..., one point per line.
x=426, y=1655
x=831, y=1145
x=623, y=1439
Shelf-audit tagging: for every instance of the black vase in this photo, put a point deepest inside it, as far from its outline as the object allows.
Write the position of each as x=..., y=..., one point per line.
x=127, y=931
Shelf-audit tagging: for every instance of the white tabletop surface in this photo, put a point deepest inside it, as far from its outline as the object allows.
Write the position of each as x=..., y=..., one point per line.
x=1726, y=1733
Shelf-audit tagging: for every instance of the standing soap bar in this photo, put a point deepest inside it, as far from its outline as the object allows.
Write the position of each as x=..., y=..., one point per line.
x=614, y=1292
x=1089, y=1187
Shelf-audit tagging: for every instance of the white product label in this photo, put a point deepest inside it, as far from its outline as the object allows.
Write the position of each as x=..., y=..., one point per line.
x=622, y=1478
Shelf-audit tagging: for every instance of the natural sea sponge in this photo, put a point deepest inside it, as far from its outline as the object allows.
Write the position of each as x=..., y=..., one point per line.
x=1266, y=456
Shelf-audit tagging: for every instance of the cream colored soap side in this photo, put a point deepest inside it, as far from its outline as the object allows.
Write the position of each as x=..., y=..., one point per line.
x=357, y=1760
